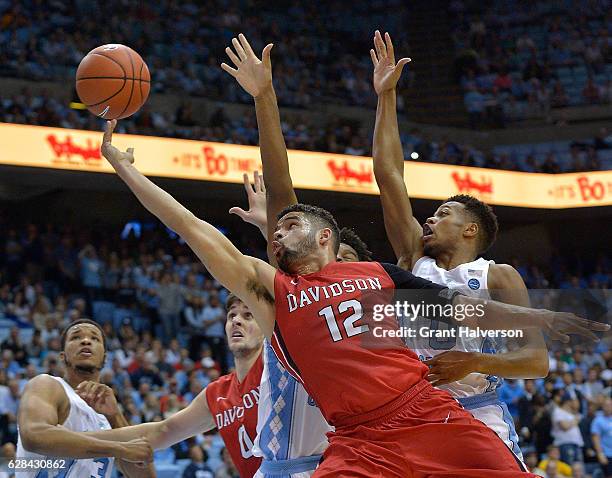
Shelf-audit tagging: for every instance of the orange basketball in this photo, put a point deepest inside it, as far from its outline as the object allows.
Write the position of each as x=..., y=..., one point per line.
x=113, y=81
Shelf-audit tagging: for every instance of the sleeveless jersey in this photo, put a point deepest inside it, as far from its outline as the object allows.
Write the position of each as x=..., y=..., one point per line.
x=471, y=279
x=81, y=418
x=326, y=336
x=289, y=424
x=233, y=404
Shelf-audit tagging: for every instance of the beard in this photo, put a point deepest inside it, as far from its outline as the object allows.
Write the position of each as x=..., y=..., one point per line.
x=84, y=369
x=290, y=257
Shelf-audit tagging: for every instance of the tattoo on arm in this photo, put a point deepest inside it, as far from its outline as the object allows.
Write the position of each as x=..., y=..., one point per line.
x=260, y=291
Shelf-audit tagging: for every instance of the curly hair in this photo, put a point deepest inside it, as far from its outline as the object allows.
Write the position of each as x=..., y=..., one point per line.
x=483, y=215
x=350, y=238
x=321, y=217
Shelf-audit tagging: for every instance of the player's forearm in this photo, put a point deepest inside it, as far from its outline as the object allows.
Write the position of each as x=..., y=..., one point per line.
x=521, y=363
x=150, y=431
x=273, y=149
x=157, y=201
x=387, y=146
x=494, y=315
x=58, y=441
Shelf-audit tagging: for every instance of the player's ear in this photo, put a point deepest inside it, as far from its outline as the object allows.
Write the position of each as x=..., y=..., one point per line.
x=471, y=229
x=62, y=356
x=325, y=236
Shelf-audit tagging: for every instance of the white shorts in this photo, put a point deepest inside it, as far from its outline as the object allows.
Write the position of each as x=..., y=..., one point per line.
x=494, y=414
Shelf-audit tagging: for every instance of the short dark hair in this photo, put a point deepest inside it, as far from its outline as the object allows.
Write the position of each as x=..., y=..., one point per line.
x=350, y=238
x=82, y=321
x=322, y=216
x=484, y=216
x=231, y=300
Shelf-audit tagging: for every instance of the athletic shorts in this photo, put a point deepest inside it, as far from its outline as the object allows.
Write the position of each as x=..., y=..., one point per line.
x=423, y=433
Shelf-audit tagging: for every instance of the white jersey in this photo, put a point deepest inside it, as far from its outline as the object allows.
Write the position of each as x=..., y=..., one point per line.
x=289, y=424
x=81, y=418
x=470, y=278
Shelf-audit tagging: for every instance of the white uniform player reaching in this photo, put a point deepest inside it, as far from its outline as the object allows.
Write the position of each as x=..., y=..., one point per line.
x=476, y=391
x=445, y=250
x=53, y=411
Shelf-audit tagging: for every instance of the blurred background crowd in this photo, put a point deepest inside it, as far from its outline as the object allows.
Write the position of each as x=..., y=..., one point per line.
x=511, y=64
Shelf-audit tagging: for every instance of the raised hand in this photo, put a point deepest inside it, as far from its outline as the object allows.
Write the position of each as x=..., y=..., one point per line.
x=256, y=195
x=253, y=74
x=386, y=72
x=98, y=396
x=559, y=325
x=109, y=151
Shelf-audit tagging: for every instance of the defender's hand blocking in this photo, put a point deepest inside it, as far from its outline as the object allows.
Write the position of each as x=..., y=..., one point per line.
x=256, y=195
x=98, y=396
x=386, y=72
x=451, y=366
x=109, y=151
x=253, y=74
x=559, y=325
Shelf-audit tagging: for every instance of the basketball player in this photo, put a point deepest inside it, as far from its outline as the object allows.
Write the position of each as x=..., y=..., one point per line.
x=51, y=414
x=387, y=416
x=291, y=431
x=228, y=404
x=445, y=250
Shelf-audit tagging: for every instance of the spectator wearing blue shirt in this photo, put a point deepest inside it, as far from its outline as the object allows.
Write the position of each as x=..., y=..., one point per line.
x=601, y=432
x=197, y=468
x=511, y=392
x=474, y=102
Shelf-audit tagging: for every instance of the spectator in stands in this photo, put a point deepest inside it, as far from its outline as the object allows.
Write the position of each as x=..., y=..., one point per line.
x=566, y=432
x=197, y=467
x=553, y=464
x=170, y=305
x=511, y=392
x=474, y=102
x=9, y=405
x=14, y=344
x=214, y=332
x=601, y=430
x=590, y=93
x=227, y=468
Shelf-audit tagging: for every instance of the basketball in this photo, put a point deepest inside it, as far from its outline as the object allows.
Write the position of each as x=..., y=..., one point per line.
x=113, y=81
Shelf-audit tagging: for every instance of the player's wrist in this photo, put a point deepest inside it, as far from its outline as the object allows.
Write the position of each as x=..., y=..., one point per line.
x=266, y=93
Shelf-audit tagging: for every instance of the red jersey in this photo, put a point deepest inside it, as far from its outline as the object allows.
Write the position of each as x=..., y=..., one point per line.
x=324, y=335
x=233, y=404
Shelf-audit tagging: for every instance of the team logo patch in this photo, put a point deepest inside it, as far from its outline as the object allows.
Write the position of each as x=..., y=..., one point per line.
x=311, y=402
x=474, y=284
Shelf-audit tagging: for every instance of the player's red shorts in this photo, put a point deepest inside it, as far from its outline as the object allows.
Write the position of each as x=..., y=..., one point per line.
x=423, y=433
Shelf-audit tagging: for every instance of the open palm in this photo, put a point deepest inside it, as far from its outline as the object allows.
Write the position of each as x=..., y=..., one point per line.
x=386, y=72
x=253, y=74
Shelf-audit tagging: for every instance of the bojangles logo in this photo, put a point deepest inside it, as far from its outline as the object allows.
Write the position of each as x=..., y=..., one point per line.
x=468, y=185
x=342, y=172
x=68, y=151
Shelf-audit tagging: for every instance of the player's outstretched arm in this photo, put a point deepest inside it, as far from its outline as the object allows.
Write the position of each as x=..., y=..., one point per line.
x=255, y=76
x=474, y=312
x=195, y=418
x=403, y=230
x=249, y=278
x=528, y=360
x=42, y=402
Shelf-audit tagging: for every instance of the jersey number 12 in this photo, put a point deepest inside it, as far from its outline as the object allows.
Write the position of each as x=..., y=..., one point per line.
x=349, y=323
